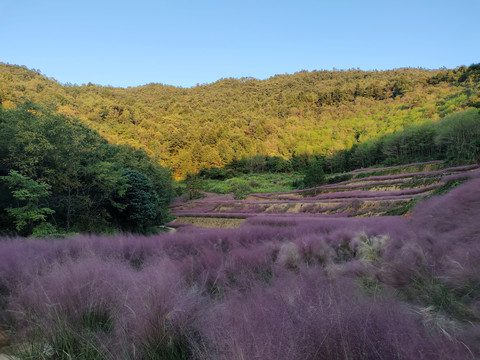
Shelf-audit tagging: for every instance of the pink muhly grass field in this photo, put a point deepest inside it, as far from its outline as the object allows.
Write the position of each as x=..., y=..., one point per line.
x=282, y=286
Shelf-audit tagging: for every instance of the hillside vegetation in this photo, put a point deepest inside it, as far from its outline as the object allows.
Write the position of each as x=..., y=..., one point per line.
x=57, y=177
x=454, y=139
x=317, y=112
x=337, y=252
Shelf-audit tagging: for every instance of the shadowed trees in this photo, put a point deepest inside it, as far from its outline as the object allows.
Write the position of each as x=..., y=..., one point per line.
x=136, y=206
x=79, y=168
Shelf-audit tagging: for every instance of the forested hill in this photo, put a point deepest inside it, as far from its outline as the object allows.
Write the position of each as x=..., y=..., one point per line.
x=315, y=112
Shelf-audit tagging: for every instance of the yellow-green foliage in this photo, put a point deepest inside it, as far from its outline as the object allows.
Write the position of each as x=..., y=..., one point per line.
x=305, y=113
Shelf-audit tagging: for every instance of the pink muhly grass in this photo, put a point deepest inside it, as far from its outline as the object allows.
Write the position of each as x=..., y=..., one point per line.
x=445, y=171
x=282, y=286
x=73, y=303
x=160, y=313
x=396, y=167
x=308, y=317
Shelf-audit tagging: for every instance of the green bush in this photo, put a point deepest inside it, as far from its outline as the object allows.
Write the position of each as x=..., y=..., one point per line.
x=339, y=178
x=314, y=175
x=239, y=187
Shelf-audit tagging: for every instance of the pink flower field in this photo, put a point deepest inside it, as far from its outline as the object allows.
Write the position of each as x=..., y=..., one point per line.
x=369, y=196
x=312, y=283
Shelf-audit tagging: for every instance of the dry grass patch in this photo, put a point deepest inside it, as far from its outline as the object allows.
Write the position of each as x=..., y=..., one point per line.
x=210, y=222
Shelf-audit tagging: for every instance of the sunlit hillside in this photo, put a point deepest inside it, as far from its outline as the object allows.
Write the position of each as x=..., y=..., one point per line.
x=210, y=125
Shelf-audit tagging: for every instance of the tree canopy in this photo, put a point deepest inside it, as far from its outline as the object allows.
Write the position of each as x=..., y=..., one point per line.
x=28, y=195
x=52, y=164
x=318, y=112
x=136, y=206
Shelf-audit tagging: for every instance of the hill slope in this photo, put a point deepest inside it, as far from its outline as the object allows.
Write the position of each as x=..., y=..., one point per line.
x=304, y=113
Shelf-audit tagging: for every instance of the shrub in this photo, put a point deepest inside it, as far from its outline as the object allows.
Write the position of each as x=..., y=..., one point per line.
x=339, y=178
x=239, y=187
x=314, y=175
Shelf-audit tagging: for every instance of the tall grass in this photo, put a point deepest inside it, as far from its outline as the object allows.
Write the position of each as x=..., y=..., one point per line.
x=278, y=287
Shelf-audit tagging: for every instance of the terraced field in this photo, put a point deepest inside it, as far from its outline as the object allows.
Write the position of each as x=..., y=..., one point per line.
x=369, y=192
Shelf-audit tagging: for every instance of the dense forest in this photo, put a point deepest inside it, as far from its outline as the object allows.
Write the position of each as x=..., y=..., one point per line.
x=307, y=113
x=455, y=138
x=57, y=177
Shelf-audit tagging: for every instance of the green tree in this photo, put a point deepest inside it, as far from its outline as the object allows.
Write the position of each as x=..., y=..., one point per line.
x=194, y=187
x=59, y=151
x=28, y=210
x=137, y=159
x=314, y=175
x=81, y=167
x=136, y=208
x=402, y=86
x=457, y=135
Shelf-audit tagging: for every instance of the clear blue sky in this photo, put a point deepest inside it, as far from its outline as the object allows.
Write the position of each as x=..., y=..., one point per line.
x=185, y=42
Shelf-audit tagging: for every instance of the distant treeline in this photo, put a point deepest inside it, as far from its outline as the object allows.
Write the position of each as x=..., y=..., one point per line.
x=307, y=113
x=57, y=177
x=454, y=138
